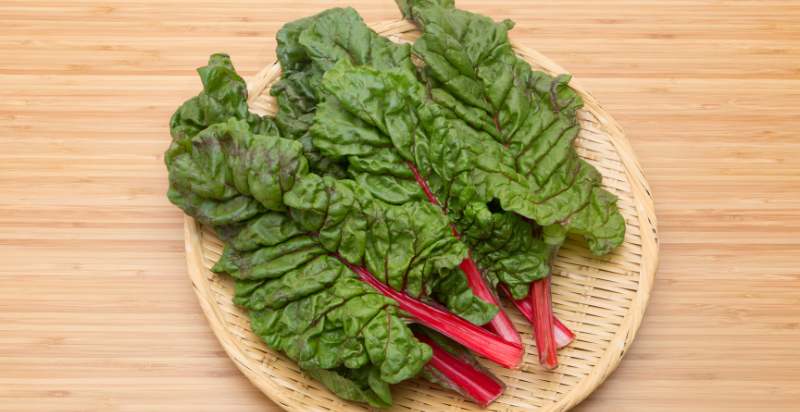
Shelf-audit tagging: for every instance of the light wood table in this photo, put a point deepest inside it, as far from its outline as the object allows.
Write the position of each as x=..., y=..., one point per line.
x=96, y=310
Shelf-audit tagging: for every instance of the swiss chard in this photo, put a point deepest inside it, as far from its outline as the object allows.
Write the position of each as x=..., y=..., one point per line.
x=462, y=180
x=382, y=120
x=472, y=70
x=306, y=49
x=310, y=47
x=304, y=249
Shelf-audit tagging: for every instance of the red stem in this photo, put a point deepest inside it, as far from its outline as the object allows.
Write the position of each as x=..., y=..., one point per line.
x=501, y=323
x=562, y=333
x=468, y=380
x=543, y=323
x=423, y=184
x=473, y=337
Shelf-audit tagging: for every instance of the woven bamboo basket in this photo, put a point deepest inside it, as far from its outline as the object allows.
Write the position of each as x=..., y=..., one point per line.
x=601, y=299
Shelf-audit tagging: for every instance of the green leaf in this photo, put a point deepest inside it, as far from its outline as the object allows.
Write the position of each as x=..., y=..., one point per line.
x=267, y=229
x=409, y=247
x=346, y=324
x=224, y=96
x=304, y=301
x=358, y=385
x=381, y=120
x=270, y=261
x=473, y=72
x=508, y=248
x=407, y=6
x=214, y=212
x=454, y=292
x=306, y=49
x=227, y=160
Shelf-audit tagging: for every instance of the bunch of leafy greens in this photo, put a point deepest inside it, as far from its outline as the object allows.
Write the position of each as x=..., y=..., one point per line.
x=373, y=161
x=491, y=137
x=290, y=235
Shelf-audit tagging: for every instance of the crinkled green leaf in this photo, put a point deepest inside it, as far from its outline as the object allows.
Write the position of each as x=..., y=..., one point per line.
x=475, y=73
x=359, y=385
x=407, y=6
x=226, y=174
x=454, y=292
x=308, y=47
x=381, y=120
x=280, y=248
x=291, y=55
x=269, y=261
x=510, y=250
x=346, y=324
x=408, y=247
x=307, y=278
x=215, y=212
x=265, y=230
x=340, y=34
x=224, y=96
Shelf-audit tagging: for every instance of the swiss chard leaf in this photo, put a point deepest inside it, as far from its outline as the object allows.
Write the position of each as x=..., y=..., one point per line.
x=382, y=120
x=508, y=248
x=306, y=49
x=304, y=301
x=472, y=70
x=408, y=246
x=313, y=308
x=227, y=163
x=454, y=292
x=359, y=385
x=347, y=324
x=310, y=47
x=224, y=96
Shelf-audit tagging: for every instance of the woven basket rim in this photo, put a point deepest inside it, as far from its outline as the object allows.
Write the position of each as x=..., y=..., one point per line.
x=615, y=349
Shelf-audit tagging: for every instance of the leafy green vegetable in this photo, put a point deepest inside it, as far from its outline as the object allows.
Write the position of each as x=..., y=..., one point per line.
x=306, y=49
x=473, y=71
x=408, y=246
x=346, y=324
x=473, y=141
x=381, y=120
x=454, y=292
x=359, y=385
x=224, y=96
x=303, y=301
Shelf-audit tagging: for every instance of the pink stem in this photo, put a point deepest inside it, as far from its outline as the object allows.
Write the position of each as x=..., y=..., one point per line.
x=563, y=335
x=468, y=380
x=501, y=323
x=543, y=323
x=423, y=184
x=474, y=337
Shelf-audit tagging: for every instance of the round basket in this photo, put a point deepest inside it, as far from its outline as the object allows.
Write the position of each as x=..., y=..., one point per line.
x=601, y=299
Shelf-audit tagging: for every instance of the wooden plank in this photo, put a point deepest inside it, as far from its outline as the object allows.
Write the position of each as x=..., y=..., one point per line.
x=96, y=311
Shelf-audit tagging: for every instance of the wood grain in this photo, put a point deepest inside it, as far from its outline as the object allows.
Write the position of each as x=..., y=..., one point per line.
x=96, y=311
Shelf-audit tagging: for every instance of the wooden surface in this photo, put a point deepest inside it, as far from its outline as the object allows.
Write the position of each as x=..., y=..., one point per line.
x=97, y=313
